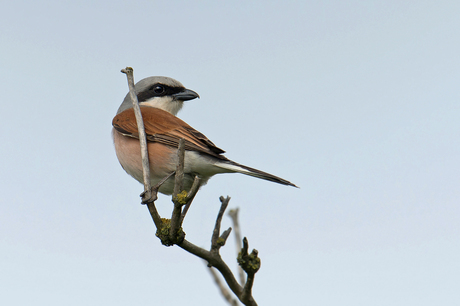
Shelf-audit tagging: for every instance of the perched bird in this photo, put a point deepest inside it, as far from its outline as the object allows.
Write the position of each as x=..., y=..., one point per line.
x=160, y=99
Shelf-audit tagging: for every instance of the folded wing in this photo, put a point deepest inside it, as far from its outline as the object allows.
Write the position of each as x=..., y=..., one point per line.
x=163, y=127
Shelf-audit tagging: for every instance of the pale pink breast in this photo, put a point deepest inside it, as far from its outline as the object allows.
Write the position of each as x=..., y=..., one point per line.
x=162, y=158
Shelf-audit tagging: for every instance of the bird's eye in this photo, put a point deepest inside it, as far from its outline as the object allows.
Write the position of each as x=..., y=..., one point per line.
x=158, y=89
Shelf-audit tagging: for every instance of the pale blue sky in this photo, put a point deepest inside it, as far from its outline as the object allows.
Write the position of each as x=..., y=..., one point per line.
x=357, y=102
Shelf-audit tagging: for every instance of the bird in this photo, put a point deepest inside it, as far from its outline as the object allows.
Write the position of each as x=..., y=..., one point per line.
x=160, y=99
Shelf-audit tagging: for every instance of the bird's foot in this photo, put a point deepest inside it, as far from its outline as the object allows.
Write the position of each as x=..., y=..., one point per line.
x=151, y=195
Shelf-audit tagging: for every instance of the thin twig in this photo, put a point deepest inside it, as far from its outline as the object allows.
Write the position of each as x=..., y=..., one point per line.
x=147, y=196
x=247, y=290
x=224, y=236
x=155, y=215
x=151, y=204
x=178, y=200
x=194, y=189
x=215, y=234
x=223, y=289
x=215, y=260
x=250, y=263
x=233, y=213
x=180, y=168
x=190, y=196
x=140, y=127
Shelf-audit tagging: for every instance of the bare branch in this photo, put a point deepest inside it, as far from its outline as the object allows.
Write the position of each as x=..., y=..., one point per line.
x=215, y=243
x=215, y=260
x=148, y=197
x=170, y=231
x=212, y=257
x=233, y=213
x=224, y=236
x=250, y=263
x=194, y=189
x=151, y=204
x=142, y=138
x=223, y=289
x=190, y=196
x=247, y=290
x=179, y=198
x=180, y=168
x=155, y=215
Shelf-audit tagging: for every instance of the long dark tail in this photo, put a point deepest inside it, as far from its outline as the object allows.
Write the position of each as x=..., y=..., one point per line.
x=234, y=167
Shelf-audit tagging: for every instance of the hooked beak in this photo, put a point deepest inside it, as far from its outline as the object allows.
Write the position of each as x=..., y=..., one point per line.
x=186, y=95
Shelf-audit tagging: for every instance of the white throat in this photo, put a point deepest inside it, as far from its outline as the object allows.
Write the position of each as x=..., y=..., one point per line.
x=165, y=103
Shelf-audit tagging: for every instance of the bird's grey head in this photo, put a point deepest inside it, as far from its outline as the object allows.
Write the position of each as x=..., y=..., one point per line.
x=160, y=92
